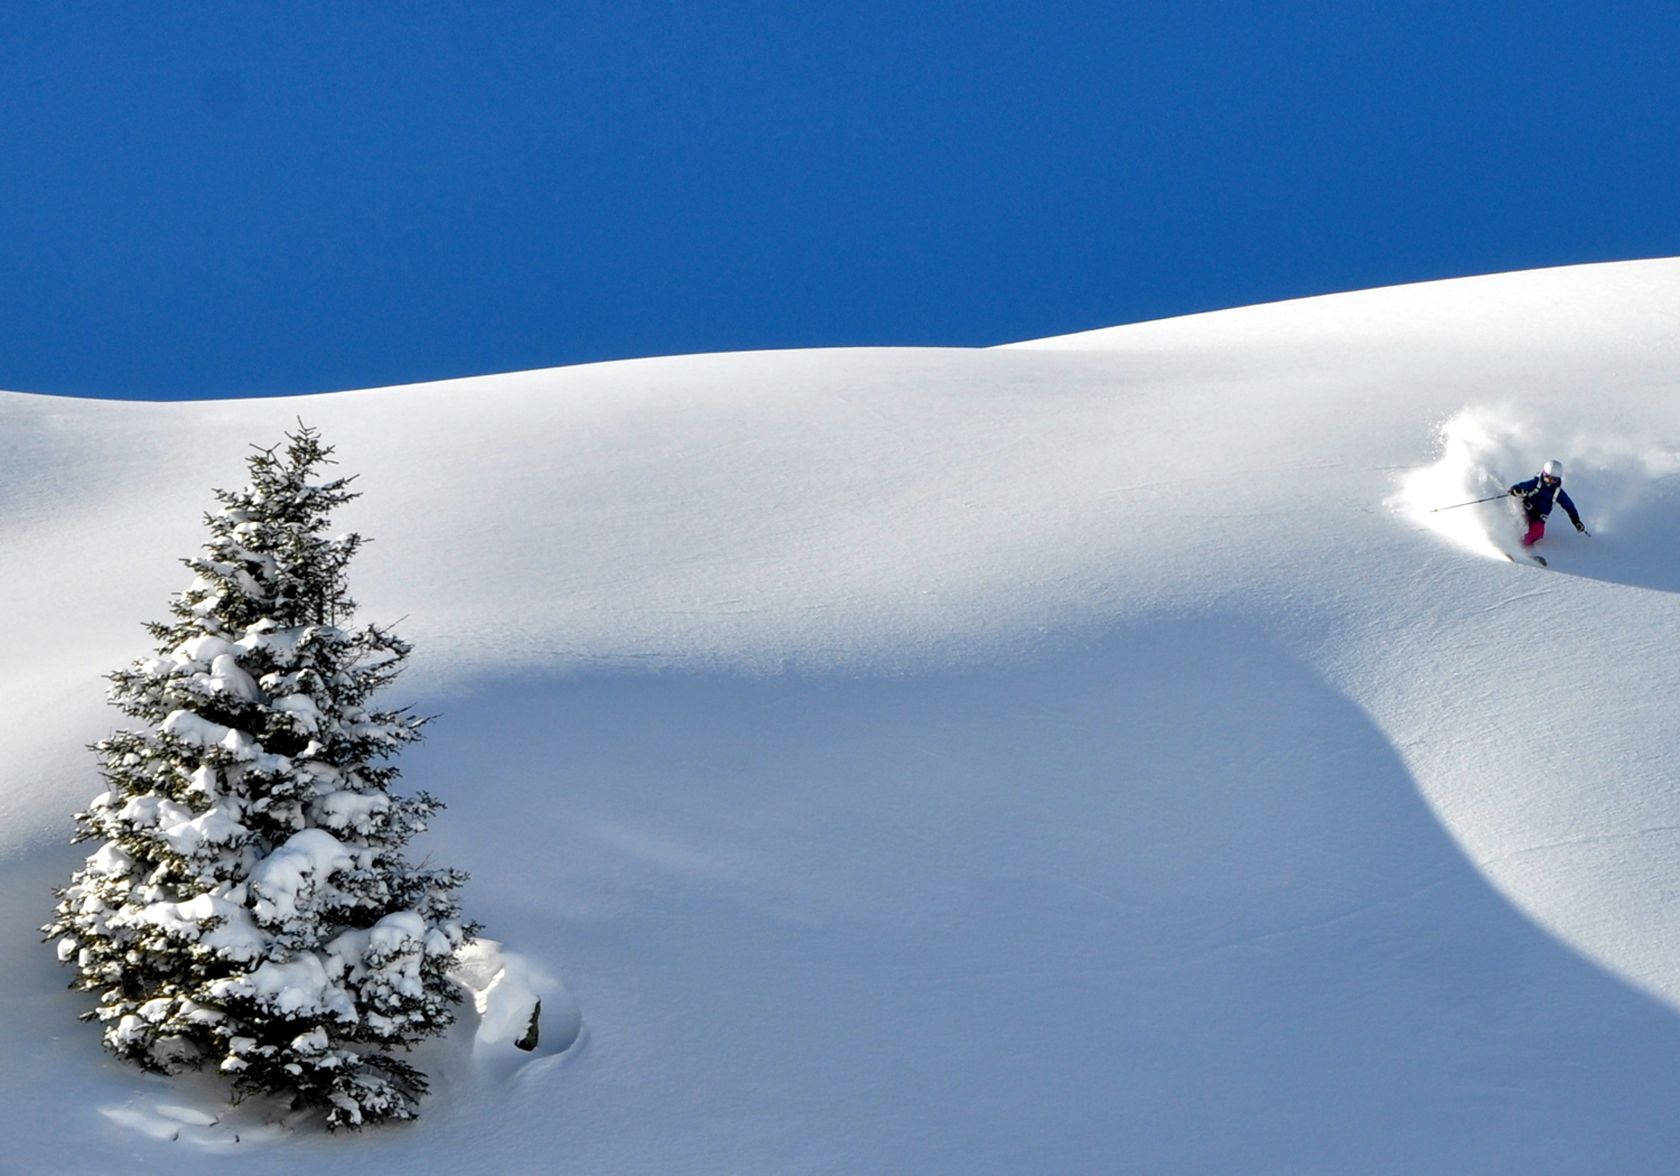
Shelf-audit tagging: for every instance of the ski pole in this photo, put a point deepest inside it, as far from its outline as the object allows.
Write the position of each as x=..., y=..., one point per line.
x=1456, y=505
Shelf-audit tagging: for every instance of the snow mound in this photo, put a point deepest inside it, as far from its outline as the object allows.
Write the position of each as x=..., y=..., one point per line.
x=524, y=1013
x=192, y=1113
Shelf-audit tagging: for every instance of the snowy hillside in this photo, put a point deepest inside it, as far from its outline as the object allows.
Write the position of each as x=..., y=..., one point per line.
x=1089, y=755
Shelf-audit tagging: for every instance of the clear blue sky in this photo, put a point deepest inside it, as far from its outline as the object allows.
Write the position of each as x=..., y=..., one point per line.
x=252, y=199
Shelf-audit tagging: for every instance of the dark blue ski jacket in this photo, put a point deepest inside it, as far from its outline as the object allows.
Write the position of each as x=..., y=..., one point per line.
x=1537, y=499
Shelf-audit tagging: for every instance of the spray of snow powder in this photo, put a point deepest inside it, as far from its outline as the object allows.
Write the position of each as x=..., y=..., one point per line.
x=1483, y=451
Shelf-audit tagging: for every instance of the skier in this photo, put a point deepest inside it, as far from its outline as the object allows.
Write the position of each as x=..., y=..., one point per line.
x=1537, y=495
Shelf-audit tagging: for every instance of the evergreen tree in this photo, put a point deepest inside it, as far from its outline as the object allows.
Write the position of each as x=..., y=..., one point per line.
x=249, y=905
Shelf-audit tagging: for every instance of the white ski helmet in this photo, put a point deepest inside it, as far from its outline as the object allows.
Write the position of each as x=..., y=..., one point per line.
x=1553, y=470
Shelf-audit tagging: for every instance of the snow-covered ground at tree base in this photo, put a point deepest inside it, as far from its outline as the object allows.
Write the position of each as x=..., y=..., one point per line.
x=1090, y=755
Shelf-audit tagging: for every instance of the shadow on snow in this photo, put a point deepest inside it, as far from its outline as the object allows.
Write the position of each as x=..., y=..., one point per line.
x=1171, y=903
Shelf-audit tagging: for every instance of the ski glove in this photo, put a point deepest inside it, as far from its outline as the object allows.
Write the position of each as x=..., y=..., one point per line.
x=1580, y=526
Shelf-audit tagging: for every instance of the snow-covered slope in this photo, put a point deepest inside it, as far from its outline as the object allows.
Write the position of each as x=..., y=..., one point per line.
x=1088, y=755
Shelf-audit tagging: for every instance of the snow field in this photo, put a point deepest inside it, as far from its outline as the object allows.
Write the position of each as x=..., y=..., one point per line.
x=1084, y=756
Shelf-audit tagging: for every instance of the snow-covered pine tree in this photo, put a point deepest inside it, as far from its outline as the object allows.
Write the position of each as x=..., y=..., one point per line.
x=249, y=905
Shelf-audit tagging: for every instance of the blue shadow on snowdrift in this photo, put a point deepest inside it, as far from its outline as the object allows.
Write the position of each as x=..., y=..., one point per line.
x=1170, y=904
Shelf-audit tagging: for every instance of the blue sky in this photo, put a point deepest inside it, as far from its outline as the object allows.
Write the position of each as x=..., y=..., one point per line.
x=260, y=199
